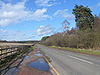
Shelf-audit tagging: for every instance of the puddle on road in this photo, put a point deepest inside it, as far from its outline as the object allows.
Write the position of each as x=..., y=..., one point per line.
x=26, y=57
x=38, y=54
x=40, y=64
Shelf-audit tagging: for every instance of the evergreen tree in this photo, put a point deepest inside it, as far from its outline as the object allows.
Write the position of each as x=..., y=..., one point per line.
x=84, y=18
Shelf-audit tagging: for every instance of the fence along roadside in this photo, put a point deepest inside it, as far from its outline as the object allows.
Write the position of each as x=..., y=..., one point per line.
x=10, y=53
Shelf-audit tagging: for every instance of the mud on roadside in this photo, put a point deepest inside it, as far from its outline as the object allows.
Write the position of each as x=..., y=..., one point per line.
x=24, y=69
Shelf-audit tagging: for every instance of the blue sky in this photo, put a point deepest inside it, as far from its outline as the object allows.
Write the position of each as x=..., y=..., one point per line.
x=32, y=19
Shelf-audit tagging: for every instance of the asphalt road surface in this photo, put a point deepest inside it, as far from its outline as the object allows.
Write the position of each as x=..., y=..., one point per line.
x=70, y=63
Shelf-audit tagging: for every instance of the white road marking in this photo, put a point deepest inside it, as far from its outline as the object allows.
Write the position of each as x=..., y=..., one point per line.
x=80, y=59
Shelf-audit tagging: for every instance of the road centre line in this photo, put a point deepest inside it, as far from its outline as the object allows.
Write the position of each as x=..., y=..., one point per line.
x=80, y=59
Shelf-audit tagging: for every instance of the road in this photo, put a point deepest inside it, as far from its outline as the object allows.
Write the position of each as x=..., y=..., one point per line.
x=70, y=63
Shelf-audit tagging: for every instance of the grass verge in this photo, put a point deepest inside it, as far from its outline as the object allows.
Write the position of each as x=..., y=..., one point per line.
x=84, y=51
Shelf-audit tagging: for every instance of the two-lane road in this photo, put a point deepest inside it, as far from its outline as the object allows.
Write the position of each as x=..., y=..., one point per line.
x=70, y=63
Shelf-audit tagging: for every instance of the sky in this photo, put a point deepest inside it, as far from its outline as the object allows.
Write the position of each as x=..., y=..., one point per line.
x=22, y=20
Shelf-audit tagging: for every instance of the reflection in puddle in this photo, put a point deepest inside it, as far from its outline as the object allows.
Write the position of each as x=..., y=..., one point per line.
x=40, y=64
x=26, y=57
x=38, y=54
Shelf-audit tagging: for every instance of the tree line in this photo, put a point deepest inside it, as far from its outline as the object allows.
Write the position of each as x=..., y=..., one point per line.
x=85, y=35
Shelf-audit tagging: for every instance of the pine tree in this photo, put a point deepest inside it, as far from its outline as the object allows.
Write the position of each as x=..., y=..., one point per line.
x=84, y=18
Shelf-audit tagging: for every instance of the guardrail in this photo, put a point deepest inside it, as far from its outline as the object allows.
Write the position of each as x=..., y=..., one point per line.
x=7, y=54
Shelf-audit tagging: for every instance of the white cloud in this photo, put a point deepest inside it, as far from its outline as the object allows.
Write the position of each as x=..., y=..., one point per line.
x=95, y=6
x=98, y=5
x=39, y=14
x=12, y=35
x=63, y=13
x=10, y=13
x=42, y=30
x=45, y=2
